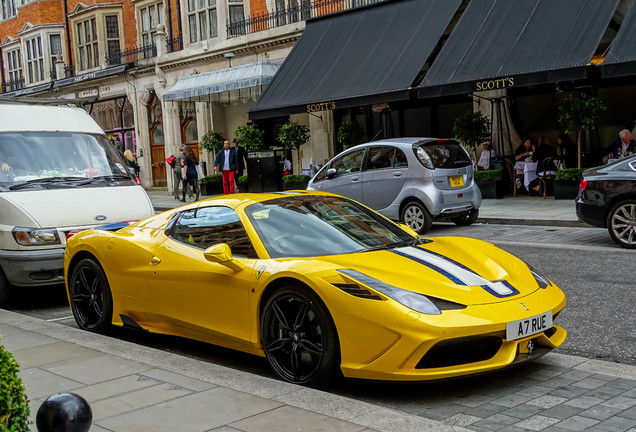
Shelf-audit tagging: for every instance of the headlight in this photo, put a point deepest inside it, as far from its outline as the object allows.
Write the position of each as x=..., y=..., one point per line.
x=541, y=280
x=35, y=236
x=410, y=299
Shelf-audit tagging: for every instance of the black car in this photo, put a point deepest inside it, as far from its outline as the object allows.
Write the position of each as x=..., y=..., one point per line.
x=607, y=198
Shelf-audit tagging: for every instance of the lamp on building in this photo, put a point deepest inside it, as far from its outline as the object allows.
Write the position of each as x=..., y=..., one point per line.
x=256, y=92
x=228, y=56
x=234, y=97
x=224, y=98
x=244, y=95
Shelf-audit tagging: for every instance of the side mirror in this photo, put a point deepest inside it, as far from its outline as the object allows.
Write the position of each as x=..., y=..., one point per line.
x=331, y=173
x=221, y=254
x=409, y=230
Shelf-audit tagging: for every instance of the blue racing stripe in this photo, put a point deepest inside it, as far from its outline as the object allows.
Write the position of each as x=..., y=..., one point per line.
x=441, y=271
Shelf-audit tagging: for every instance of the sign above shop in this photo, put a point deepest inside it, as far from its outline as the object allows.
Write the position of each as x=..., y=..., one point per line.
x=115, y=89
x=88, y=93
x=494, y=84
x=325, y=106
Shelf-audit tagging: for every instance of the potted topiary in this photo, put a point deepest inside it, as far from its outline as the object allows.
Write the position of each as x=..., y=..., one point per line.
x=578, y=113
x=490, y=184
x=242, y=183
x=249, y=136
x=566, y=183
x=350, y=133
x=293, y=135
x=294, y=182
x=211, y=184
x=471, y=129
x=212, y=141
x=14, y=406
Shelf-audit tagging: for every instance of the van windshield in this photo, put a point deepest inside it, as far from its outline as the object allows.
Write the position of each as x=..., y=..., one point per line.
x=33, y=157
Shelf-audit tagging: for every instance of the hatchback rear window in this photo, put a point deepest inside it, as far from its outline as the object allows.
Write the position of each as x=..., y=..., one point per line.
x=441, y=154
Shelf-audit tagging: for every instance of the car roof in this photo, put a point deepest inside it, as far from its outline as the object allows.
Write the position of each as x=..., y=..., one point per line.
x=244, y=199
x=400, y=142
x=44, y=118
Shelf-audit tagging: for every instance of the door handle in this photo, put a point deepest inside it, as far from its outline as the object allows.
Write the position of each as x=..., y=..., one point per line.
x=397, y=174
x=355, y=179
x=155, y=260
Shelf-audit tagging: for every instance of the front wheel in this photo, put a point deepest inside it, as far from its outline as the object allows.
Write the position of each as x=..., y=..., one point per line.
x=91, y=299
x=621, y=224
x=416, y=217
x=299, y=338
x=466, y=218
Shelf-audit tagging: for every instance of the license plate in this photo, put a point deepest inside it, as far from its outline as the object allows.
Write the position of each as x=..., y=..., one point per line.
x=456, y=181
x=529, y=326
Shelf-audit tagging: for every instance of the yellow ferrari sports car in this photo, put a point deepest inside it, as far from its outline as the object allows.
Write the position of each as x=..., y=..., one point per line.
x=320, y=285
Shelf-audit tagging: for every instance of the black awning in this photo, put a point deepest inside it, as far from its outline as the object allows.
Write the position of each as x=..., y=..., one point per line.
x=502, y=43
x=90, y=76
x=359, y=57
x=621, y=57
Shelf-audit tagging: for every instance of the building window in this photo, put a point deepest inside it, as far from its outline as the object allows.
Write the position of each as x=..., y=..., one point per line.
x=8, y=9
x=34, y=60
x=202, y=20
x=55, y=44
x=14, y=70
x=237, y=17
x=88, y=48
x=151, y=17
x=112, y=38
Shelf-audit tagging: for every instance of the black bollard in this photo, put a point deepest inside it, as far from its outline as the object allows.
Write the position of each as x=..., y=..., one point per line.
x=64, y=412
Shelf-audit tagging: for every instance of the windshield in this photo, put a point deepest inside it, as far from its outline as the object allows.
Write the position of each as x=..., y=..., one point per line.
x=36, y=157
x=308, y=226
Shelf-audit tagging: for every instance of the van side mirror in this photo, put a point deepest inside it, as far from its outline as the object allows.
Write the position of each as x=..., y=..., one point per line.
x=221, y=254
x=331, y=173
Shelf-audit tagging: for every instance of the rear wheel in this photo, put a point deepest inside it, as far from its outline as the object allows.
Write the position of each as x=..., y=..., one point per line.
x=299, y=338
x=621, y=224
x=416, y=217
x=466, y=218
x=91, y=300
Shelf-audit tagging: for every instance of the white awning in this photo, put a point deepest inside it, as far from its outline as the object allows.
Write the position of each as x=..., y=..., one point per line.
x=224, y=80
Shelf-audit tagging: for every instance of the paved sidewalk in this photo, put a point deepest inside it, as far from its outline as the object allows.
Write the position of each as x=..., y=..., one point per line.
x=521, y=210
x=132, y=388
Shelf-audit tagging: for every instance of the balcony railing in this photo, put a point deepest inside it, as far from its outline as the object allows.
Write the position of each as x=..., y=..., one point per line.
x=174, y=44
x=9, y=86
x=132, y=55
x=280, y=17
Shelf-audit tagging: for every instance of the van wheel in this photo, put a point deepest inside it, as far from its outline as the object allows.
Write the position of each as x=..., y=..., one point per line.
x=5, y=291
x=466, y=218
x=416, y=217
x=91, y=300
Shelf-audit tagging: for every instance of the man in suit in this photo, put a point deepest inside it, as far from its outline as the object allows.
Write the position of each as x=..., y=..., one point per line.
x=623, y=146
x=241, y=155
x=226, y=161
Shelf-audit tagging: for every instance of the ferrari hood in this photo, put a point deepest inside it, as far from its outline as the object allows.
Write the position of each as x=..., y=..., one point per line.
x=461, y=270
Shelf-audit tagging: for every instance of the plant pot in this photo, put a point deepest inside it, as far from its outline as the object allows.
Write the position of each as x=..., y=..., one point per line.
x=294, y=186
x=566, y=189
x=208, y=189
x=491, y=189
x=243, y=187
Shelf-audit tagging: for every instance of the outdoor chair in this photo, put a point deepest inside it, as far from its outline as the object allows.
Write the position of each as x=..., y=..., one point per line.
x=546, y=178
x=511, y=176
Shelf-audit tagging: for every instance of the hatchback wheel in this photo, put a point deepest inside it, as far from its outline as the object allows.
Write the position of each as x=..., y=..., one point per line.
x=621, y=224
x=466, y=218
x=91, y=300
x=299, y=338
x=416, y=217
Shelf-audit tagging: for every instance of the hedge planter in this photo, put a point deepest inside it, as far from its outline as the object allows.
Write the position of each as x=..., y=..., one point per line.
x=295, y=186
x=208, y=189
x=491, y=189
x=566, y=189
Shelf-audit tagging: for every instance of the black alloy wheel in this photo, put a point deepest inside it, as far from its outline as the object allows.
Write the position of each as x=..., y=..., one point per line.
x=91, y=300
x=621, y=224
x=466, y=218
x=416, y=217
x=299, y=338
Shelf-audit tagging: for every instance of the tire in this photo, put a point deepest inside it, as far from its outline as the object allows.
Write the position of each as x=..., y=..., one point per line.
x=621, y=223
x=416, y=217
x=467, y=218
x=299, y=338
x=91, y=299
x=5, y=291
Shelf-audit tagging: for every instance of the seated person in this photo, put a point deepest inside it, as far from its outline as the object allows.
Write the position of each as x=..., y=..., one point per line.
x=487, y=153
x=567, y=151
x=623, y=146
x=524, y=149
x=543, y=150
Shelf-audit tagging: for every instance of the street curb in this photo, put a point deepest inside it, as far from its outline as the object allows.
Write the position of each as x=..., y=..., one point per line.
x=533, y=222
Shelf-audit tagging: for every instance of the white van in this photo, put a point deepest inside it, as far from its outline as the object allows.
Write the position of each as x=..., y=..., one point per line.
x=58, y=173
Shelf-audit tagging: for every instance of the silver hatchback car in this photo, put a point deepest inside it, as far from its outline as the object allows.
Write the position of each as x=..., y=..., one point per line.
x=412, y=180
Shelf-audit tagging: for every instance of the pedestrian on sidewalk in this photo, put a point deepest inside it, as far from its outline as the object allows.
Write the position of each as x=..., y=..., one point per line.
x=190, y=175
x=177, y=178
x=227, y=162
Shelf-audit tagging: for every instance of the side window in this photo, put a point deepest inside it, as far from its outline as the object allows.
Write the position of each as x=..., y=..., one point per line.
x=380, y=157
x=349, y=163
x=400, y=159
x=207, y=226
